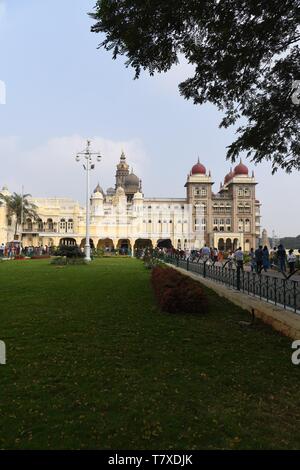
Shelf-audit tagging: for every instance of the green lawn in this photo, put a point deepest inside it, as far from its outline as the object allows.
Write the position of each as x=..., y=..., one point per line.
x=93, y=363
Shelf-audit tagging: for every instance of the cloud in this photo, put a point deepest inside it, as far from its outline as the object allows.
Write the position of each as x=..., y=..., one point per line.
x=49, y=169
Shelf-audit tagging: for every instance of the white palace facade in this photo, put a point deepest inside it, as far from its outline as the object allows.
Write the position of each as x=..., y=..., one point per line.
x=122, y=217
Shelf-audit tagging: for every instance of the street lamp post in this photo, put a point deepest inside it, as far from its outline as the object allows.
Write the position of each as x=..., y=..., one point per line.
x=88, y=156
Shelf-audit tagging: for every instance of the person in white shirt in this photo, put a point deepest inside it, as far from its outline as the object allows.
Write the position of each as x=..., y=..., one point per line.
x=239, y=256
x=291, y=259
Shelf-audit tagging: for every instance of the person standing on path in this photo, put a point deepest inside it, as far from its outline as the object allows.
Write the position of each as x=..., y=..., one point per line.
x=266, y=258
x=252, y=260
x=281, y=254
x=291, y=259
x=259, y=259
x=239, y=256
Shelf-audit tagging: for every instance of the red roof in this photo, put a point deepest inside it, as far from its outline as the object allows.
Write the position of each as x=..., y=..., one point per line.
x=198, y=169
x=241, y=169
x=228, y=177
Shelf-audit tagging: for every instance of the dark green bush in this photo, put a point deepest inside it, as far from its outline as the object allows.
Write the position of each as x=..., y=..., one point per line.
x=69, y=251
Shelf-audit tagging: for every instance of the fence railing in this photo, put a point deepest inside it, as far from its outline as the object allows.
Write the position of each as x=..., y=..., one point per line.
x=281, y=291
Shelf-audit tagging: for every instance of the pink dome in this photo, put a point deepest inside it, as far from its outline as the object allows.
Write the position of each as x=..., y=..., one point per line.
x=198, y=169
x=228, y=177
x=241, y=169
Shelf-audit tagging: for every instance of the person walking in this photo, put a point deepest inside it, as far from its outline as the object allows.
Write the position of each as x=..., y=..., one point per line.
x=252, y=260
x=291, y=259
x=274, y=258
x=239, y=256
x=259, y=258
x=2, y=250
x=266, y=258
x=230, y=260
x=205, y=252
x=281, y=255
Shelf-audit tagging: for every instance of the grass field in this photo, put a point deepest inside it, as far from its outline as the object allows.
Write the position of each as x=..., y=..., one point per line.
x=92, y=363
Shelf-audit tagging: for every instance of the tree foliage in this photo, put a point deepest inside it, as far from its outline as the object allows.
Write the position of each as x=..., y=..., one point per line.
x=245, y=55
x=17, y=205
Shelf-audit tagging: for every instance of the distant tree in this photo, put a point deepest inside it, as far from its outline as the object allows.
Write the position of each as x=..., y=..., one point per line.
x=16, y=204
x=291, y=242
x=246, y=56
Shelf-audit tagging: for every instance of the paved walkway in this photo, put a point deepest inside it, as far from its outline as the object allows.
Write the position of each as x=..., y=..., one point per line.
x=271, y=272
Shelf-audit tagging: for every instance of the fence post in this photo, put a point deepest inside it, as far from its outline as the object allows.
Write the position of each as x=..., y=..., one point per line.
x=204, y=268
x=238, y=278
x=187, y=264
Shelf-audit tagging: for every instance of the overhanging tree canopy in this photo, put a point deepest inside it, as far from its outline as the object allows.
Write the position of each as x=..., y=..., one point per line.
x=246, y=56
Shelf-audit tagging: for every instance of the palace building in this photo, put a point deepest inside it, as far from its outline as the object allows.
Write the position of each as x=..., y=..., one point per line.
x=122, y=217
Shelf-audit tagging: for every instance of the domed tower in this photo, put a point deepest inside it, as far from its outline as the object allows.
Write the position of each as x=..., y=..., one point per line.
x=122, y=171
x=265, y=239
x=198, y=184
x=137, y=201
x=97, y=201
x=245, y=216
x=132, y=185
x=199, y=195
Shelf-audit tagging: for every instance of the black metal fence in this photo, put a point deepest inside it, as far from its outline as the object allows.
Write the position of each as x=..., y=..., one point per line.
x=281, y=291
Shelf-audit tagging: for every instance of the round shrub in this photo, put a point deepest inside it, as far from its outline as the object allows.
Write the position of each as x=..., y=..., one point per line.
x=177, y=293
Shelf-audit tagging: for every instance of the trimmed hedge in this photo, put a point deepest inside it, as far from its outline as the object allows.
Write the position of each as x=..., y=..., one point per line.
x=177, y=293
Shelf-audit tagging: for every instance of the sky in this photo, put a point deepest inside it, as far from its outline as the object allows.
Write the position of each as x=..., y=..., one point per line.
x=61, y=89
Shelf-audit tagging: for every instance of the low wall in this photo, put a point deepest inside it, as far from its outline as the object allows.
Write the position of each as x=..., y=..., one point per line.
x=288, y=323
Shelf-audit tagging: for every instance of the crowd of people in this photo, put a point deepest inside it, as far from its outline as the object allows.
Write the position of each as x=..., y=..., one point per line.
x=278, y=258
x=260, y=259
x=12, y=250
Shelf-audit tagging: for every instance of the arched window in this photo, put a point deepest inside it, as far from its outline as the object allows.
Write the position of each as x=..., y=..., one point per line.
x=70, y=225
x=50, y=224
x=240, y=192
x=241, y=225
x=247, y=225
x=62, y=225
x=40, y=225
x=29, y=225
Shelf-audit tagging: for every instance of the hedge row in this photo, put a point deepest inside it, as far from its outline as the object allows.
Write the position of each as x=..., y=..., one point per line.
x=177, y=293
